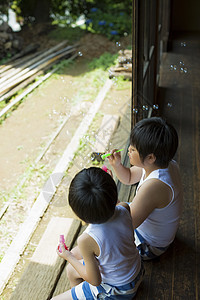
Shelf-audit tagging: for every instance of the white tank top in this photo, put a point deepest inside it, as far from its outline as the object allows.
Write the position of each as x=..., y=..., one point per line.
x=160, y=227
x=119, y=260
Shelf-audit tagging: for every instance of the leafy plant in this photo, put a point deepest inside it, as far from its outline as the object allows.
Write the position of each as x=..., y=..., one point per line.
x=113, y=22
x=104, y=61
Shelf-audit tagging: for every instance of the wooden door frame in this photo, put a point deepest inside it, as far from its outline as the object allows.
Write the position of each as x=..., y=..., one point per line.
x=147, y=47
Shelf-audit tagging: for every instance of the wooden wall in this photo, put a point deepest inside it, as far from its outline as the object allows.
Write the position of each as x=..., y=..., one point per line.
x=185, y=15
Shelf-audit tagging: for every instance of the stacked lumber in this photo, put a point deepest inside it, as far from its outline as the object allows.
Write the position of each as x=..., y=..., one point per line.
x=124, y=67
x=23, y=69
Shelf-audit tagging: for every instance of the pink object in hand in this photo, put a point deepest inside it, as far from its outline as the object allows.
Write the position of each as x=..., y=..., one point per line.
x=62, y=241
x=104, y=168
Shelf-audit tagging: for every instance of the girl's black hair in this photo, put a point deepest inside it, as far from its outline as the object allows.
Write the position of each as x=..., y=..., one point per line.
x=155, y=135
x=93, y=195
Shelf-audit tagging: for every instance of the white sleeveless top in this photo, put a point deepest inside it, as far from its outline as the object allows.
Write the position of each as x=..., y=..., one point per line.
x=119, y=260
x=160, y=227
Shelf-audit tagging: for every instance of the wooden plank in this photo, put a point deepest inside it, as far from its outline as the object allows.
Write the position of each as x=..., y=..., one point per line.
x=9, y=67
x=29, y=71
x=184, y=273
x=20, y=86
x=41, y=275
x=196, y=186
x=26, y=92
x=30, y=48
x=125, y=75
x=184, y=115
x=32, y=61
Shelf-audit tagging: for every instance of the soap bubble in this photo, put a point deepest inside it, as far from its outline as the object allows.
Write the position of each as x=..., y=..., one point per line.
x=155, y=106
x=145, y=107
x=169, y=105
x=118, y=44
x=114, y=80
x=183, y=44
x=185, y=70
x=80, y=53
x=135, y=110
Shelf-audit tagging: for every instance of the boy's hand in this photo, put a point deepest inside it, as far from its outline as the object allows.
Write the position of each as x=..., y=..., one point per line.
x=115, y=158
x=65, y=252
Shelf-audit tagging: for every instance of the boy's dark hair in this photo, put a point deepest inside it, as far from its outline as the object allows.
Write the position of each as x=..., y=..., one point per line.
x=93, y=195
x=155, y=135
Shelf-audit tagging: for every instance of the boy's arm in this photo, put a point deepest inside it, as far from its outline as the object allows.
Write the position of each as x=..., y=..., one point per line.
x=152, y=194
x=90, y=271
x=127, y=176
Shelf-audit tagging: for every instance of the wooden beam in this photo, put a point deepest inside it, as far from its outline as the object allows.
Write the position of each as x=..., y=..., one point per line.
x=45, y=268
x=29, y=71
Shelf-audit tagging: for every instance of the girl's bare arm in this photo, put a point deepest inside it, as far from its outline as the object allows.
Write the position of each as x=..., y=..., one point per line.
x=88, y=248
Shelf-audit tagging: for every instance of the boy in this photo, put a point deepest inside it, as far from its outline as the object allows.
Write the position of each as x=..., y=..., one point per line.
x=156, y=207
x=106, y=263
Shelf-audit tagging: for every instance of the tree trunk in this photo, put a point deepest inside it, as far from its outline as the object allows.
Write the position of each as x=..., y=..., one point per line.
x=42, y=11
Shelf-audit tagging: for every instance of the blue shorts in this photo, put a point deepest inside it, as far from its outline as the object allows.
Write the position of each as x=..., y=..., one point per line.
x=146, y=251
x=86, y=291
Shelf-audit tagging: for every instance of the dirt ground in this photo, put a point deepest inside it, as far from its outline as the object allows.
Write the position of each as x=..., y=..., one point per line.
x=90, y=45
x=46, y=109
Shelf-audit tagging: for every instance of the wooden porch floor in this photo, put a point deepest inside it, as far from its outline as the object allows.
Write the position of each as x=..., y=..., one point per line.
x=176, y=275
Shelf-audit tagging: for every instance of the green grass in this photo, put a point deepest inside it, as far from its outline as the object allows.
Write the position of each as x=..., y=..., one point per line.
x=104, y=62
x=67, y=33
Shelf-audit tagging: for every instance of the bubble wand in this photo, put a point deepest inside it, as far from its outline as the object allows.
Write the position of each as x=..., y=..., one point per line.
x=103, y=156
x=62, y=241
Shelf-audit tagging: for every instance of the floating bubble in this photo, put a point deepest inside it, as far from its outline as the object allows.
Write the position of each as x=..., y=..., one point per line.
x=169, y=105
x=173, y=67
x=145, y=107
x=114, y=80
x=183, y=44
x=181, y=70
x=181, y=63
x=185, y=70
x=155, y=106
x=135, y=110
x=118, y=44
x=80, y=53
x=125, y=33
